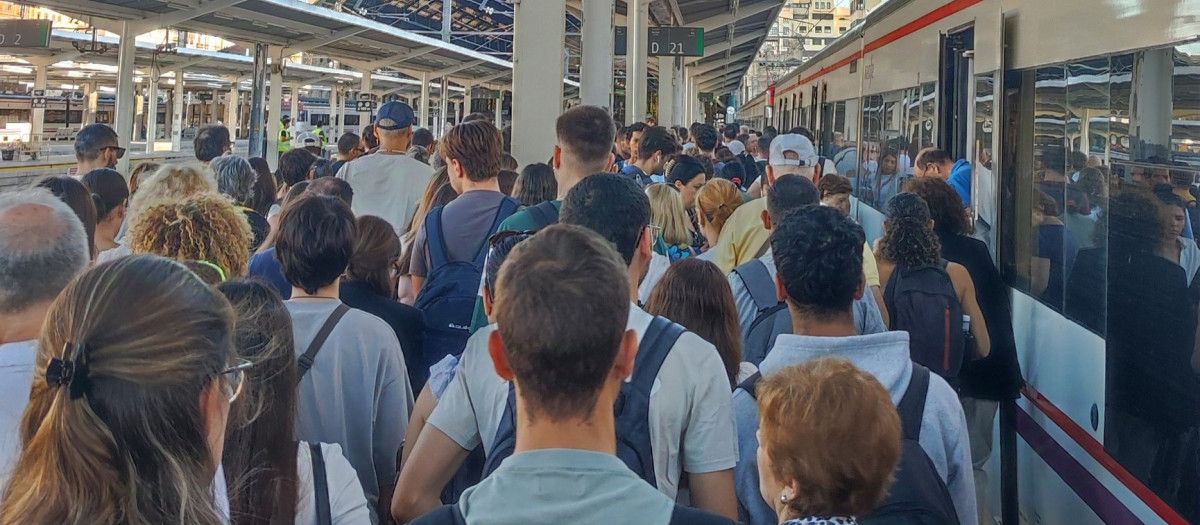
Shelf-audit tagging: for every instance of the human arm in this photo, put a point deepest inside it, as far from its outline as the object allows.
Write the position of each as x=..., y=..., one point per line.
x=966, y=295
x=419, y=268
x=421, y=410
x=709, y=446
x=434, y=460
x=1039, y=274
x=714, y=492
x=877, y=292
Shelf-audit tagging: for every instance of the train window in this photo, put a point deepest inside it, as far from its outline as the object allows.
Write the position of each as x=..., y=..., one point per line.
x=928, y=114
x=1100, y=161
x=984, y=200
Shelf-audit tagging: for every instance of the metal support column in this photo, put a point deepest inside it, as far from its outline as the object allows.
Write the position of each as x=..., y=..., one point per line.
x=274, y=111
x=500, y=109
x=139, y=112
x=466, y=102
x=666, y=91
x=231, y=111
x=93, y=102
x=258, y=86
x=596, y=69
x=636, y=83
x=338, y=97
x=424, y=112
x=294, y=106
x=37, y=120
x=177, y=117
x=443, y=108
x=152, y=111
x=1150, y=99
x=365, y=116
x=537, y=77
x=678, y=90
x=125, y=109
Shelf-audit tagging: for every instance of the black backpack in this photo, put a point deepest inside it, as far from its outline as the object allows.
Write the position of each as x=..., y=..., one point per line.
x=632, y=407
x=922, y=301
x=772, y=317
x=918, y=496
x=452, y=515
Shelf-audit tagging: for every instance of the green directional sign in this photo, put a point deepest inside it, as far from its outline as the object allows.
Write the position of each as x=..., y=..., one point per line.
x=664, y=41
x=24, y=33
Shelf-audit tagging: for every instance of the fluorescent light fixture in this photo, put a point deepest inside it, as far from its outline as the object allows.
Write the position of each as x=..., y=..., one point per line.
x=21, y=70
x=107, y=89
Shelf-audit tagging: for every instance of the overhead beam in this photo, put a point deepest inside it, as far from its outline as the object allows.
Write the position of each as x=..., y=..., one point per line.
x=190, y=63
x=389, y=61
x=704, y=68
x=309, y=45
x=454, y=69
x=275, y=20
x=489, y=78
x=742, y=12
x=183, y=15
x=728, y=45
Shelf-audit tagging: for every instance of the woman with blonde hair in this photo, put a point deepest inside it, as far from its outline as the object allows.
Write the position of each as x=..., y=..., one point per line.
x=667, y=214
x=135, y=373
x=204, y=227
x=172, y=182
x=715, y=203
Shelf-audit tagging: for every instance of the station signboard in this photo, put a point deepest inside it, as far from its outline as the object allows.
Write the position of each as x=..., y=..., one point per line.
x=364, y=105
x=24, y=33
x=665, y=41
x=38, y=102
x=204, y=96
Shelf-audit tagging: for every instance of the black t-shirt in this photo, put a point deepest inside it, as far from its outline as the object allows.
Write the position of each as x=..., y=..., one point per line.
x=406, y=321
x=259, y=226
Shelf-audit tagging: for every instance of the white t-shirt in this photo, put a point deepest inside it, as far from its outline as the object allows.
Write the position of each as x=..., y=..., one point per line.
x=347, y=505
x=16, y=377
x=357, y=393
x=691, y=414
x=113, y=253
x=387, y=186
x=658, y=267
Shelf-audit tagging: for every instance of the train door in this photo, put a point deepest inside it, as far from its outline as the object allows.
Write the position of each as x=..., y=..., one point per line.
x=953, y=122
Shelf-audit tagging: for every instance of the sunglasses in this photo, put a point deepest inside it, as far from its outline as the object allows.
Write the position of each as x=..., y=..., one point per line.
x=120, y=151
x=237, y=378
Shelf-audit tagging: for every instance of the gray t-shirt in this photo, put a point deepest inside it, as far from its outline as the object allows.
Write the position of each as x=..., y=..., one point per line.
x=17, y=361
x=466, y=225
x=357, y=393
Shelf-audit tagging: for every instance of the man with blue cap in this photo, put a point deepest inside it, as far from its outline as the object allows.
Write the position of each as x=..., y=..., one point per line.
x=389, y=183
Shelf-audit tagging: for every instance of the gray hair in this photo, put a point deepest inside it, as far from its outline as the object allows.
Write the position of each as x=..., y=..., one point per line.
x=38, y=259
x=235, y=177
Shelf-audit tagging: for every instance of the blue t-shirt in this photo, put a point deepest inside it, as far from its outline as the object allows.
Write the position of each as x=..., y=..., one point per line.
x=960, y=178
x=265, y=267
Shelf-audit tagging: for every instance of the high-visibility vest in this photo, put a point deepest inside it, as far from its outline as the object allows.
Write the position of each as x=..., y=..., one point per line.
x=285, y=138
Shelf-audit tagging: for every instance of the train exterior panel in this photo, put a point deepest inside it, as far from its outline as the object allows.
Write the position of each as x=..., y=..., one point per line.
x=1004, y=84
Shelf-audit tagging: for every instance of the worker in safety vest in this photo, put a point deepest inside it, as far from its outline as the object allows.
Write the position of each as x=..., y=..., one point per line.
x=285, y=137
x=320, y=133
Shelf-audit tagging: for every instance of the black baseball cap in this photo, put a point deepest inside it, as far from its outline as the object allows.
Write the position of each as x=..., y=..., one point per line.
x=394, y=115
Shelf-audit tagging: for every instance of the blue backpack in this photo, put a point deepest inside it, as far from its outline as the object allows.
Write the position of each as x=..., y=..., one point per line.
x=632, y=408
x=448, y=296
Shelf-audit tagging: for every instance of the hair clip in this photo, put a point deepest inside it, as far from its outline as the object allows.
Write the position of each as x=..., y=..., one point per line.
x=70, y=371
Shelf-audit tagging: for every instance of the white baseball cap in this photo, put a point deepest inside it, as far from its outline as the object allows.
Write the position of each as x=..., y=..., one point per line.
x=736, y=147
x=796, y=144
x=307, y=139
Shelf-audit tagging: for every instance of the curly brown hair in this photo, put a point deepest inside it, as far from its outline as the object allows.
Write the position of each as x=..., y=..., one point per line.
x=205, y=227
x=908, y=240
x=945, y=205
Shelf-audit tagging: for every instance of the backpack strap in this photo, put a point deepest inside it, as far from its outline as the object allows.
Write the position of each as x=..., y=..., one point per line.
x=544, y=213
x=912, y=405
x=320, y=484
x=757, y=279
x=889, y=294
x=507, y=207
x=656, y=343
x=306, y=360
x=689, y=516
x=434, y=240
x=750, y=385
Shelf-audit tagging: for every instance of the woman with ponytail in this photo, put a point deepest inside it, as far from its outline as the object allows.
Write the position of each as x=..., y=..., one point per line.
x=715, y=203
x=908, y=242
x=111, y=196
x=135, y=372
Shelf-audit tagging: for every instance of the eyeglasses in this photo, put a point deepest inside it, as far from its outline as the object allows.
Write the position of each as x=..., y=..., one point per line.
x=237, y=378
x=655, y=231
x=120, y=151
x=499, y=237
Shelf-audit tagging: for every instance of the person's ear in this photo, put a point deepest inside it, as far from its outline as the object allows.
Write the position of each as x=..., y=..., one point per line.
x=766, y=220
x=862, y=286
x=499, y=360
x=646, y=246
x=612, y=162
x=931, y=224
x=557, y=159
x=885, y=226
x=488, y=301
x=780, y=289
x=679, y=185
x=623, y=368
x=770, y=175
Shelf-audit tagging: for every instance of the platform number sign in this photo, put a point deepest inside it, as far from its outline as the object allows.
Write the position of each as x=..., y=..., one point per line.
x=39, y=102
x=664, y=41
x=364, y=105
x=24, y=33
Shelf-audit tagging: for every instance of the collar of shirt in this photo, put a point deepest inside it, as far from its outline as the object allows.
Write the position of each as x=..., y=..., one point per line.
x=816, y=520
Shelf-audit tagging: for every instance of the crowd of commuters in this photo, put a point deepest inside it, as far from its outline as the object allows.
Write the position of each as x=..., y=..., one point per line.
x=660, y=325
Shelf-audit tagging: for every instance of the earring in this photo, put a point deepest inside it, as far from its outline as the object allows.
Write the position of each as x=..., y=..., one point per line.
x=783, y=498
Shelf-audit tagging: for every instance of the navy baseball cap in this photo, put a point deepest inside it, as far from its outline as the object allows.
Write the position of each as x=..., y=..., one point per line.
x=394, y=115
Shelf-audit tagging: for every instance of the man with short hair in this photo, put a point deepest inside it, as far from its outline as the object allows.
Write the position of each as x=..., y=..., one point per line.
x=43, y=246
x=389, y=183
x=690, y=423
x=423, y=138
x=212, y=141
x=96, y=147
x=349, y=147
x=934, y=162
x=354, y=387
x=633, y=137
x=729, y=133
x=820, y=275
x=706, y=139
x=562, y=310
x=655, y=147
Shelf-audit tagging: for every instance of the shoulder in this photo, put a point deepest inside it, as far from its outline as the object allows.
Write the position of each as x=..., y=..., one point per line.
x=942, y=404
x=369, y=327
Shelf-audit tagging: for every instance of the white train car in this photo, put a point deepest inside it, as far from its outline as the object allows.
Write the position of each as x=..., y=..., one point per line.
x=1029, y=91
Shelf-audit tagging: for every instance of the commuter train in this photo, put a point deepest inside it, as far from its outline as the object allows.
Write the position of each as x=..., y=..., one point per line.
x=1028, y=91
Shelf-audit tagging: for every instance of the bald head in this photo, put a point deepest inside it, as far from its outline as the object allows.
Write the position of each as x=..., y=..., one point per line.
x=42, y=247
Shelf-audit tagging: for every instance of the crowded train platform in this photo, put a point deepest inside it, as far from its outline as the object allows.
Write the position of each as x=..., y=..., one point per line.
x=860, y=262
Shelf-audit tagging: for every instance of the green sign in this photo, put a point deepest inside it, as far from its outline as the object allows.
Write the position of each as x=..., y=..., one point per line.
x=24, y=33
x=664, y=41
x=706, y=96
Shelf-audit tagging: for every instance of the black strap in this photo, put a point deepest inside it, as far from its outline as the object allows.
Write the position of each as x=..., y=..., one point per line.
x=750, y=385
x=321, y=485
x=506, y=208
x=912, y=405
x=306, y=360
x=656, y=343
